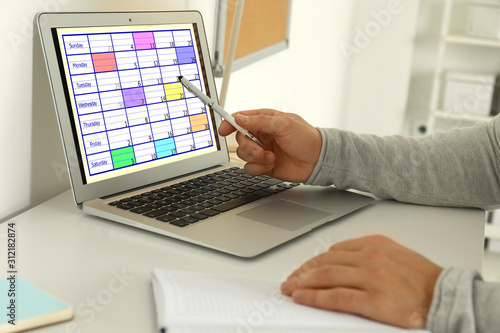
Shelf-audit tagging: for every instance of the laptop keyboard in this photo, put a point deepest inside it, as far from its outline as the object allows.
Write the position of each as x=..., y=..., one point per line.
x=197, y=199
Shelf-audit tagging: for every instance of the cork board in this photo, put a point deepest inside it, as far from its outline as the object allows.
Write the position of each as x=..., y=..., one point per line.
x=263, y=30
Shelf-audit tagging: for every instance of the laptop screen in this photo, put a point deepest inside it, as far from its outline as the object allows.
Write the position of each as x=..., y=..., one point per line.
x=127, y=108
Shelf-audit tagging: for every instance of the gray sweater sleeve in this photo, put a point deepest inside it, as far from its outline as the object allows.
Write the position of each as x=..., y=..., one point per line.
x=458, y=168
x=464, y=303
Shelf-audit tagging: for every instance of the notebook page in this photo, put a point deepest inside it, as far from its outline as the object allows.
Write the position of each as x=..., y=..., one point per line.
x=197, y=299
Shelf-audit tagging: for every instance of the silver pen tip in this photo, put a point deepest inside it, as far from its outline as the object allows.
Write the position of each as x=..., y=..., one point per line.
x=254, y=139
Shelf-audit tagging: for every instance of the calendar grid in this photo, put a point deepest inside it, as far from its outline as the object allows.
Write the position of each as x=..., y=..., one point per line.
x=130, y=107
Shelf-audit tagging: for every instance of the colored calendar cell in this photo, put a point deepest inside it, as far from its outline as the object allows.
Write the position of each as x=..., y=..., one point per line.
x=165, y=147
x=144, y=40
x=133, y=97
x=174, y=91
x=123, y=157
x=104, y=62
x=185, y=55
x=199, y=122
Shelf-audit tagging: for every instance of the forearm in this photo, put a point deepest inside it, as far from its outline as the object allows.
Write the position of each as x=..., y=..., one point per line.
x=455, y=168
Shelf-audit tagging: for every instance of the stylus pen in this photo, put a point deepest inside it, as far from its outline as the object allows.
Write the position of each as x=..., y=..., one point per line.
x=216, y=107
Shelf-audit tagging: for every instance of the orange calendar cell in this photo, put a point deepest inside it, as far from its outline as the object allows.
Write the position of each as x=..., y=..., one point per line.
x=199, y=122
x=104, y=62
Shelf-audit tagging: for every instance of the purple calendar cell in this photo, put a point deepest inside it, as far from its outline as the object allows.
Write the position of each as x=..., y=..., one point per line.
x=185, y=55
x=133, y=97
x=144, y=40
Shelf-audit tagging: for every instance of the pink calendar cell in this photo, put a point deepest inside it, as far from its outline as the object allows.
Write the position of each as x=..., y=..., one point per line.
x=144, y=40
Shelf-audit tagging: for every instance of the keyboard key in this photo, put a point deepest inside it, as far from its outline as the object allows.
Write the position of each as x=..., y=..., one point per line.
x=179, y=223
x=125, y=206
x=156, y=213
x=273, y=181
x=189, y=219
x=166, y=218
x=236, y=202
x=177, y=214
x=141, y=210
x=199, y=216
x=209, y=212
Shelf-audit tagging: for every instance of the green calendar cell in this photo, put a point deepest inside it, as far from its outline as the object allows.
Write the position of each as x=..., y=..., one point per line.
x=123, y=157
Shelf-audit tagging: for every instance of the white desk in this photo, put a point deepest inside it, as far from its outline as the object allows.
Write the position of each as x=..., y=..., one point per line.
x=80, y=259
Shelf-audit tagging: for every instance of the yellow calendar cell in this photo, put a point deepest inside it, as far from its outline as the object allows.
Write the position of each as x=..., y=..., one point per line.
x=174, y=91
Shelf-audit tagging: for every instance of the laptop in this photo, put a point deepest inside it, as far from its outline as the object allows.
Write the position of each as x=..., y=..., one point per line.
x=142, y=151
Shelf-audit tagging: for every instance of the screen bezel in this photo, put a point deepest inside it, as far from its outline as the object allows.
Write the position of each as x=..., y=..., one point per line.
x=82, y=191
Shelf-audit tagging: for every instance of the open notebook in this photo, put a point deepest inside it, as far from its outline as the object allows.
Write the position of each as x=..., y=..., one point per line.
x=141, y=150
x=203, y=303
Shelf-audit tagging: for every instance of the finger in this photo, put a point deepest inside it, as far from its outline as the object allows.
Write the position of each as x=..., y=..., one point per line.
x=337, y=299
x=251, y=152
x=366, y=243
x=263, y=122
x=327, y=258
x=330, y=276
x=226, y=128
x=337, y=260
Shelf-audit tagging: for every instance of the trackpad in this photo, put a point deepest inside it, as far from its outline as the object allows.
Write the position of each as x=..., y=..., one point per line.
x=284, y=214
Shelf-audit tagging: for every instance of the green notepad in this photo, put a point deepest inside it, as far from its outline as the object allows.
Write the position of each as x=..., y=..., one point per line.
x=28, y=307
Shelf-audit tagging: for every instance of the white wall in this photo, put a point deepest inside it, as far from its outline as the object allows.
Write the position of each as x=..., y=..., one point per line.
x=32, y=167
x=378, y=74
x=312, y=78
x=331, y=76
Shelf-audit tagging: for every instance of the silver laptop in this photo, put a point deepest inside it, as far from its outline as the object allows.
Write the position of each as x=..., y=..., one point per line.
x=143, y=151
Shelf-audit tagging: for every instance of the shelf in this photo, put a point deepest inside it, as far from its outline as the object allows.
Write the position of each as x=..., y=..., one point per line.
x=470, y=40
x=461, y=116
x=492, y=231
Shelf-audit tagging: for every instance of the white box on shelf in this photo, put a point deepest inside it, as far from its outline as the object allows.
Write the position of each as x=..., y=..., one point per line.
x=468, y=92
x=494, y=242
x=484, y=18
